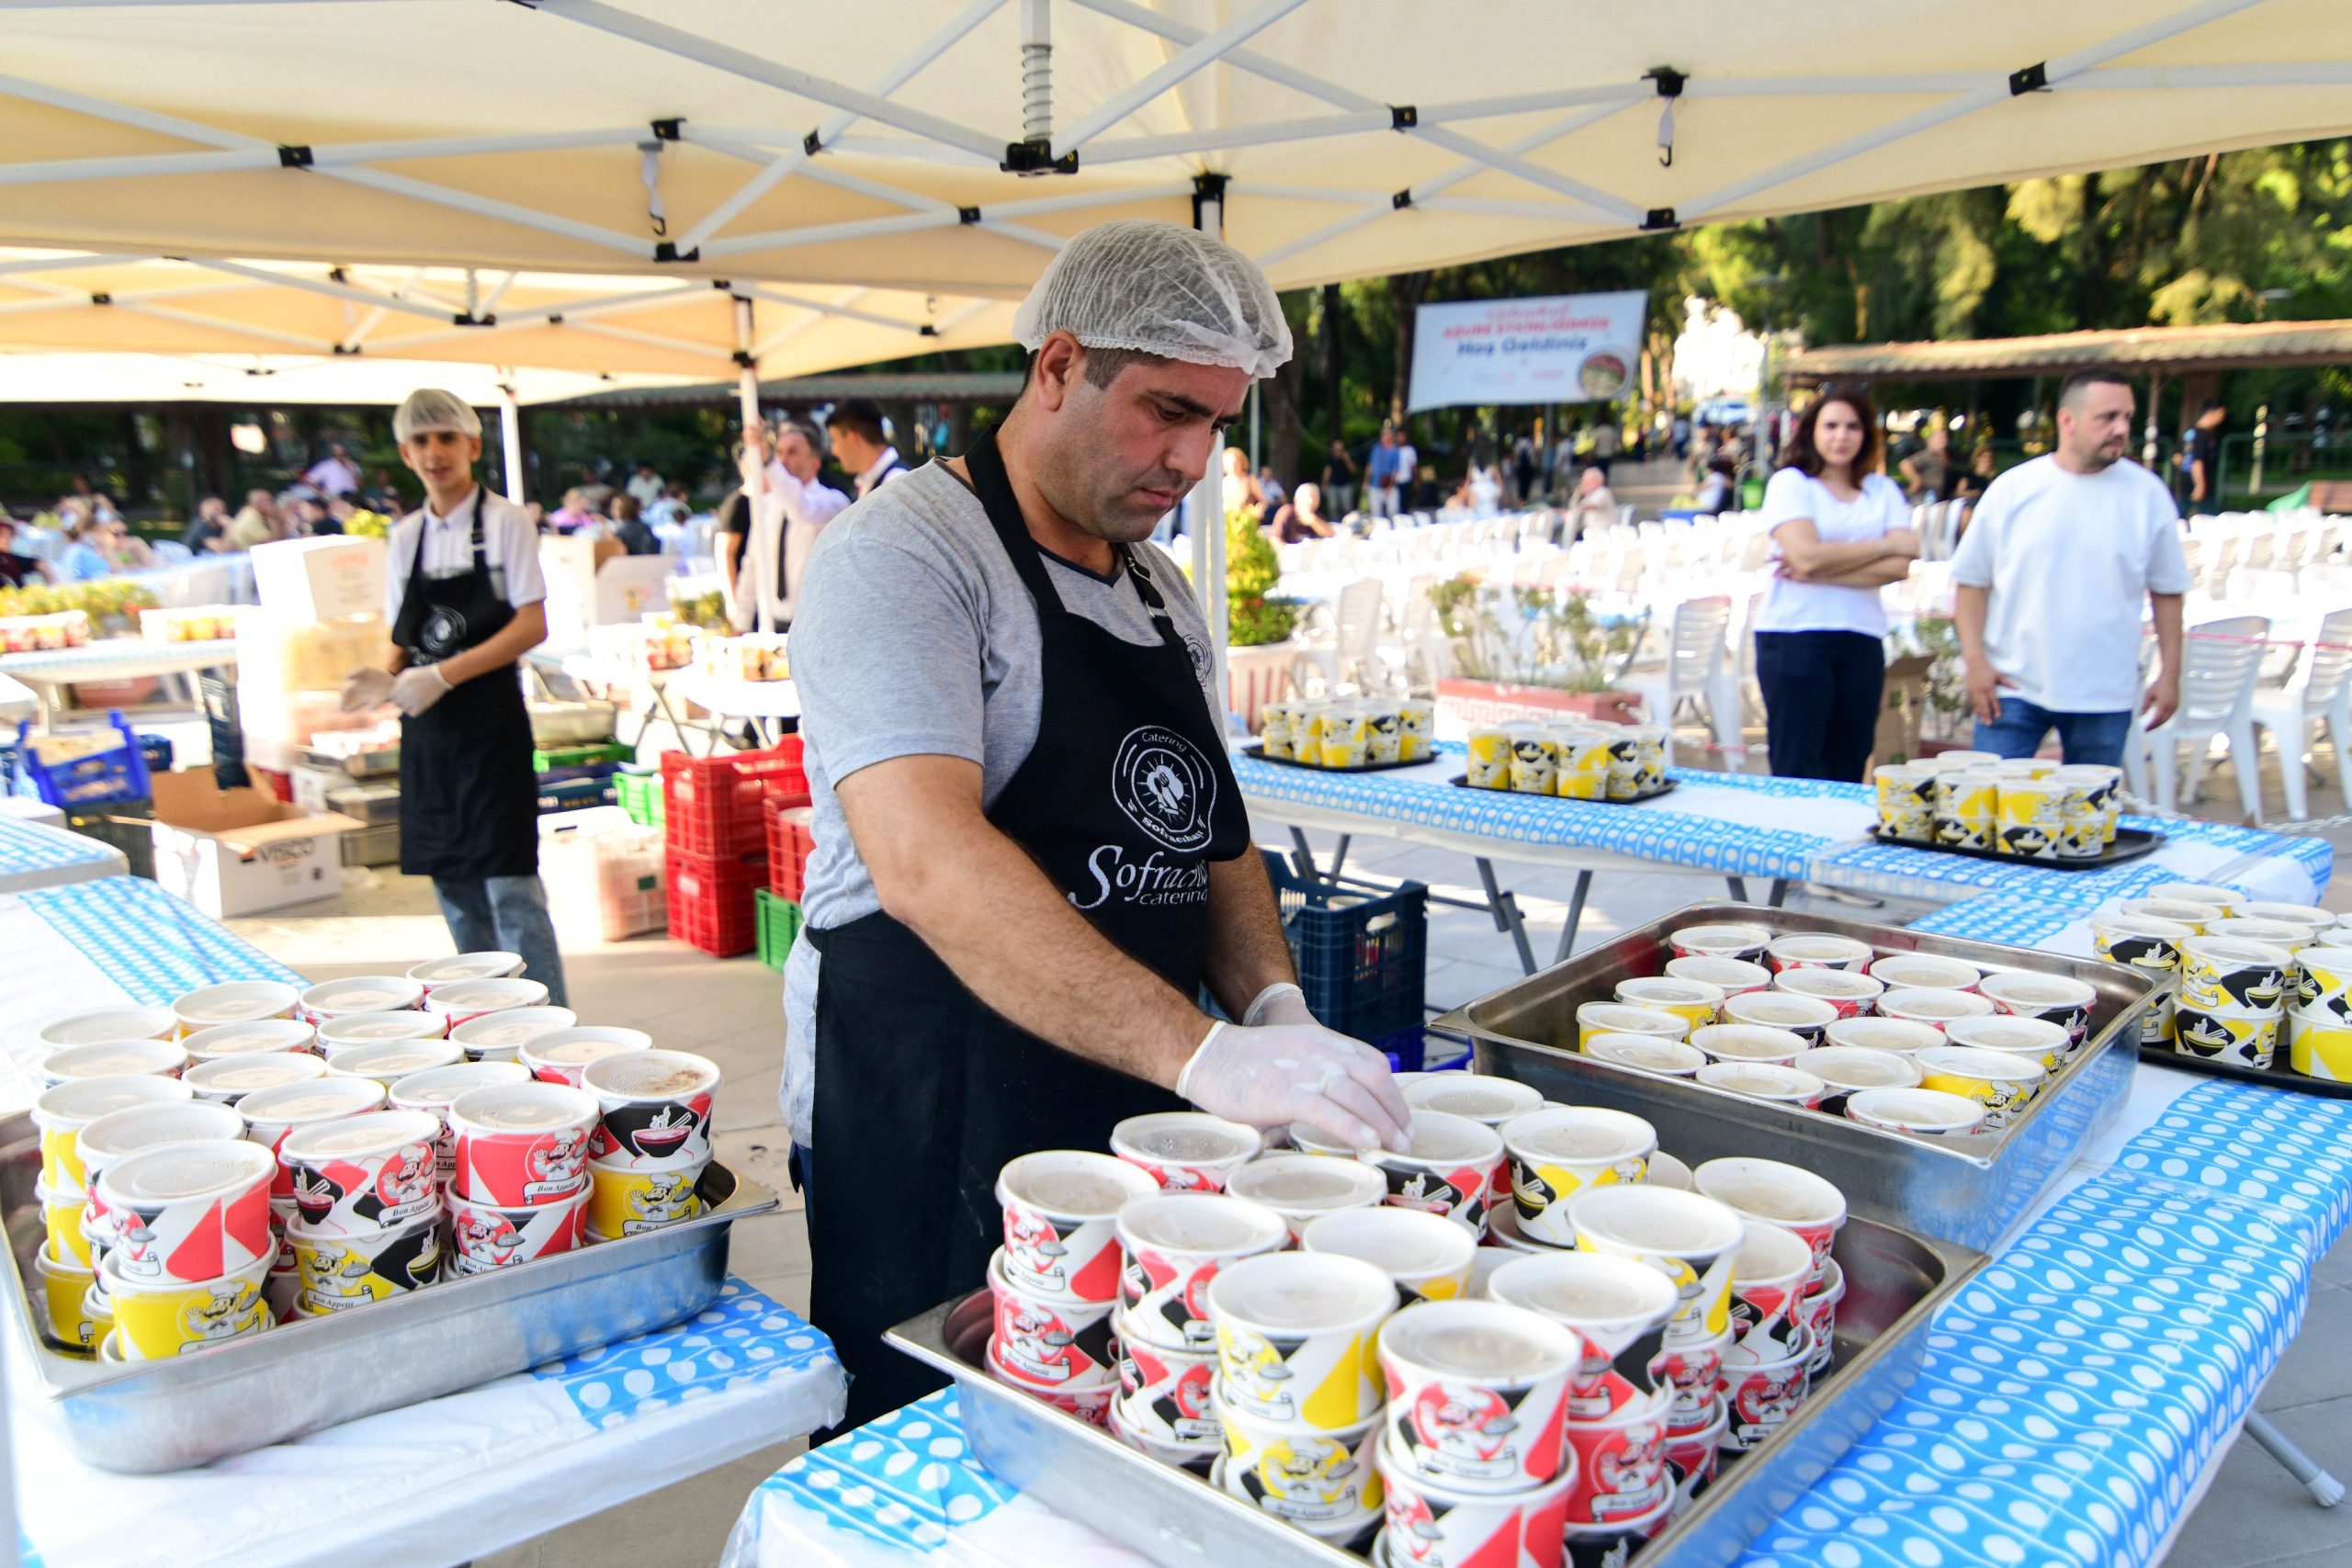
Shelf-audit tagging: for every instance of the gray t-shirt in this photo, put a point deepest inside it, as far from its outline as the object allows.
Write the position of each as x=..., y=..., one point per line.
x=915, y=635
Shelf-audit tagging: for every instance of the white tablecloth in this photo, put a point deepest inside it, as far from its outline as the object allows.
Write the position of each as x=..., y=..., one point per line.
x=34, y=854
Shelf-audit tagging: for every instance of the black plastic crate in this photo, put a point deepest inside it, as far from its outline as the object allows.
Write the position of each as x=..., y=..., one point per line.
x=1362, y=958
x=126, y=825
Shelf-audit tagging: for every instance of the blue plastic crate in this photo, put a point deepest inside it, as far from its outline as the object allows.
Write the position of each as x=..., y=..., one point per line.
x=1362, y=959
x=576, y=794
x=110, y=777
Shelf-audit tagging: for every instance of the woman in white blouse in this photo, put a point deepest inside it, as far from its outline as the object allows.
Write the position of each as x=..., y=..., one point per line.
x=1840, y=531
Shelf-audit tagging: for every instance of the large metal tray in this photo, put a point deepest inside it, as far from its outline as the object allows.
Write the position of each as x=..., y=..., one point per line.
x=1965, y=1190
x=1895, y=1283
x=302, y=1376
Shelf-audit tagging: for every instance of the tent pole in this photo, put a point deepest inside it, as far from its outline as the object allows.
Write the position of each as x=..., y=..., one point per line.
x=1208, y=494
x=2149, y=438
x=510, y=427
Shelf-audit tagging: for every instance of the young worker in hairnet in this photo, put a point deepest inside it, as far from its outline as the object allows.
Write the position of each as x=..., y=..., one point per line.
x=1031, y=854
x=464, y=598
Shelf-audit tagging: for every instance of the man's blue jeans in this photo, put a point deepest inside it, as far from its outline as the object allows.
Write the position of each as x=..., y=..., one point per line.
x=2086, y=736
x=504, y=914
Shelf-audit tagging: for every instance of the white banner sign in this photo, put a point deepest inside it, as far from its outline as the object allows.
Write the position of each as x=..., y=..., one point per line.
x=1570, y=348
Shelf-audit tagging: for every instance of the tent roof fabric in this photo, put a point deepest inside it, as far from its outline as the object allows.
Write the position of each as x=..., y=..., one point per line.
x=2175, y=350
x=280, y=380
x=678, y=327
x=916, y=387
x=798, y=140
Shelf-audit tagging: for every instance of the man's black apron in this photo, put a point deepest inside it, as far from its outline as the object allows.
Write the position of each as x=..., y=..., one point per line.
x=922, y=1092
x=469, y=798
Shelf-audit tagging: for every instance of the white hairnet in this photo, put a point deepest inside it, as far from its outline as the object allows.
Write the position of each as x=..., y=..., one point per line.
x=1159, y=288
x=430, y=408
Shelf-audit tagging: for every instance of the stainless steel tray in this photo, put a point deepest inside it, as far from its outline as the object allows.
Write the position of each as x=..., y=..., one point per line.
x=1895, y=1283
x=301, y=1376
x=1965, y=1190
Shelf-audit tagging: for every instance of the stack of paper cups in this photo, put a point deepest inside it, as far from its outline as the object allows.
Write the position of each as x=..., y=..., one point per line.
x=1297, y=1393
x=1968, y=807
x=1057, y=1278
x=651, y=1142
x=1172, y=1246
x=190, y=1245
x=521, y=1148
x=1489, y=759
x=1622, y=1423
x=2319, y=1019
x=1475, y=1461
x=2152, y=947
x=1906, y=801
x=2231, y=1000
x=368, y=1209
x=74, y=1243
x=1416, y=721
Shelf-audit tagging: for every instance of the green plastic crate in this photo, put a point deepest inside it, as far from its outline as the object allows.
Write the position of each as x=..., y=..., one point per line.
x=779, y=926
x=582, y=756
x=641, y=797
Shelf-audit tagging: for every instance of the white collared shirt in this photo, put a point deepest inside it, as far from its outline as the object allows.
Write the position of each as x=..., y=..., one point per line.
x=877, y=472
x=508, y=541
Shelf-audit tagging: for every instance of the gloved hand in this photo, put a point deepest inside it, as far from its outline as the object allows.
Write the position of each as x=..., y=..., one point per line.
x=1276, y=1074
x=365, y=688
x=418, y=688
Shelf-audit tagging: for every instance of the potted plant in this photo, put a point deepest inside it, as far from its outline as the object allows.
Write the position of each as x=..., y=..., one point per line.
x=1559, y=661
x=1257, y=625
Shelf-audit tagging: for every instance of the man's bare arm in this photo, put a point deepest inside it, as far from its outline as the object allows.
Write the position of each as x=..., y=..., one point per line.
x=1247, y=951
x=978, y=902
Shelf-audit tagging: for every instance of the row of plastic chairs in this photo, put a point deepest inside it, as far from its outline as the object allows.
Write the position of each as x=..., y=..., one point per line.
x=2234, y=685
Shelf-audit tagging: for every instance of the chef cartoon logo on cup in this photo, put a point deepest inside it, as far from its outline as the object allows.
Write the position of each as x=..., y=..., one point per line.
x=1257, y=1374
x=226, y=1311
x=401, y=1190
x=485, y=1235
x=1310, y=1480
x=1763, y=1398
x=1180, y=1394
x=1151, y=1285
x=1033, y=1339
x=1165, y=785
x=1628, y=1475
x=1462, y=1431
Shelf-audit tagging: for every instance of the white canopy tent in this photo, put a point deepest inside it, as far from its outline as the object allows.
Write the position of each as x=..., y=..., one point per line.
x=869, y=146
x=949, y=146
x=269, y=379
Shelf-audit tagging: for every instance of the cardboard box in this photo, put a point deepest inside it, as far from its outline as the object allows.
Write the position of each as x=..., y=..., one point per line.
x=241, y=851
x=321, y=578
x=1905, y=709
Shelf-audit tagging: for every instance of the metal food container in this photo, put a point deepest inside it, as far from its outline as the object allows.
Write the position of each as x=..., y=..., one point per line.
x=1967, y=1189
x=299, y=1377
x=1894, y=1283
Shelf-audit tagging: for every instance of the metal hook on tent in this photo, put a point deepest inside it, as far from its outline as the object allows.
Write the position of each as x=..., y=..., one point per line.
x=649, y=169
x=1669, y=87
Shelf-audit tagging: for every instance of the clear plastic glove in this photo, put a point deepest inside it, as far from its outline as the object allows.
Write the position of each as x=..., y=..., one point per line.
x=416, y=689
x=1279, y=1003
x=367, y=689
x=1276, y=1074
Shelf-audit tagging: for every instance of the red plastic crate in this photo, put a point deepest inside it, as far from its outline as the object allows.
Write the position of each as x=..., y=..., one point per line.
x=790, y=839
x=714, y=806
x=277, y=784
x=712, y=905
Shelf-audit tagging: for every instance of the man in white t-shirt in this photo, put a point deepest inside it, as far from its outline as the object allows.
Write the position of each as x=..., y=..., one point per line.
x=2051, y=576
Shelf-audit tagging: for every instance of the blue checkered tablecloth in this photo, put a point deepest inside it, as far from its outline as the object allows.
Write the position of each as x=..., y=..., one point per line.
x=1746, y=825
x=151, y=944
x=2071, y=1395
x=34, y=854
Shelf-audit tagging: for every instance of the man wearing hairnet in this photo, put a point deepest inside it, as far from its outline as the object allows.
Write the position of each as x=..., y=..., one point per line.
x=1031, y=855
x=464, y=599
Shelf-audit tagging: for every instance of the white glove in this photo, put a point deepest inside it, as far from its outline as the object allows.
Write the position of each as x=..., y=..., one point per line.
x=367, y=689
x=1274, y=1074
x=1281, y=1002
x=418, y=688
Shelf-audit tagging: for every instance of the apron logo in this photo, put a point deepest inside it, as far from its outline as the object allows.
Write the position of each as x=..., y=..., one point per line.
x=1163, y=783
x=443, y=631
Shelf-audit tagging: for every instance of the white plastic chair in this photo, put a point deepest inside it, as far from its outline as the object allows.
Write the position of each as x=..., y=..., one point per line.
x=1694, y=671
x=2220, y=664
x=1351, y=651
x=2320, y=687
